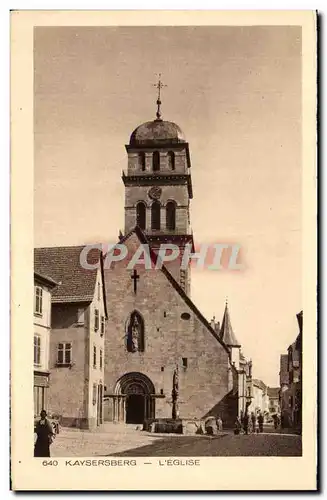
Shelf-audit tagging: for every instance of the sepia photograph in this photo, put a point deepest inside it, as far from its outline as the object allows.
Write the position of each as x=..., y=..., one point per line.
x=168, y=214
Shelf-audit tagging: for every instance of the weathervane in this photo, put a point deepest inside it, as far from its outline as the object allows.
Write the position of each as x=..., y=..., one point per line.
x=159, y=86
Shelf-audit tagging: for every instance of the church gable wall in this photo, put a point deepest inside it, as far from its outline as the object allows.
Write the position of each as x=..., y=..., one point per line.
x=203, y=374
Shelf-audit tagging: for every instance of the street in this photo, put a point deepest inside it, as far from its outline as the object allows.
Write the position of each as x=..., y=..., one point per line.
x=222, y=445
x=122, y=440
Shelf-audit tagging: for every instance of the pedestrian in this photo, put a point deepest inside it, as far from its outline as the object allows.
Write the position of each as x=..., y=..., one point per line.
x=246, y=422
x=219, y=423
x=254, y=422
x=45, y=435
x=242, y=418
x=238, y=426
x=275, y=419
x=260, y=422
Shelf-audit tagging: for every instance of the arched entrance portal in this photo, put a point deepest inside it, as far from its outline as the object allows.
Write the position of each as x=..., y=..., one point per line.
x=135, y=398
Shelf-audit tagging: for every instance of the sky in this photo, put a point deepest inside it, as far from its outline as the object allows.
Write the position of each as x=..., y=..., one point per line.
x=236, y=94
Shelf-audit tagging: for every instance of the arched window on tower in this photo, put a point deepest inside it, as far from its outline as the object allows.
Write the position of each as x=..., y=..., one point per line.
x=156, y=161
x=155, y=215
x=171, y=160
x=135, y=333
x=171, y=216
x=141, y=215
x=142, y=161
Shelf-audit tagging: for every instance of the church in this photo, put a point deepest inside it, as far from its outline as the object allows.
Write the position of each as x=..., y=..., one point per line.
x=156, y=337
x=155, y=355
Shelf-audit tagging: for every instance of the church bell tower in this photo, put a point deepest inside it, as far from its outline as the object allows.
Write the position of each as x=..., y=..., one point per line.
x=158, y=187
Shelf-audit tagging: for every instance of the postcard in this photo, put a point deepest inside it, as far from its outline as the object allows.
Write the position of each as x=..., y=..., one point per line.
x=163, y=248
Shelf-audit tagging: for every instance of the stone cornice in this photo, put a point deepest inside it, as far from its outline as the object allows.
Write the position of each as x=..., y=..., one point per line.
x=159, y=180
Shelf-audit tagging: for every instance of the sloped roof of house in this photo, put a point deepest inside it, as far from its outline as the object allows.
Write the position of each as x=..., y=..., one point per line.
x=273, y=392
x=45, y=280
x=76, y=283
x=227, y=334
x=259, y=383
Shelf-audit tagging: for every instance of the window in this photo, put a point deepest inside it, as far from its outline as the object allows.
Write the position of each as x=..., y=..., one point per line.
x=38, y=300
x=64, y=353
x=156, y=161
x=155, y=215
x=184, y=363
x=171, y=216
x=80, y=316
x=96, y=320
x=142, y=161
x=171, y=160
x=94, y=396
x=101, y=359
x=103, y=325
x=161, y=391
x=99, y=291
x=141, y=215
x=37, y=349
x=94, y=356
x=162, y=368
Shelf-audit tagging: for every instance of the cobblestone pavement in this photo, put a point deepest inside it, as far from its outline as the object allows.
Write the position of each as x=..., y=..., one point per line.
x=109, y=439
x=270, y=444
x=121, y=440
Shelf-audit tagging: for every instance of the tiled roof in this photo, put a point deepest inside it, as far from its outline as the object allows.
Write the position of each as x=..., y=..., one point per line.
x=227, y=334
x=75, y=283
x=273, y=392
x=41, y=278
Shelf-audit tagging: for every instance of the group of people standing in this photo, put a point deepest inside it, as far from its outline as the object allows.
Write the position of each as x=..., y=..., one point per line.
x=249, y=423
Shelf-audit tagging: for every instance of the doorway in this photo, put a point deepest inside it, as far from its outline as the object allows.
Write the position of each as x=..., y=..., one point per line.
x=135, y=409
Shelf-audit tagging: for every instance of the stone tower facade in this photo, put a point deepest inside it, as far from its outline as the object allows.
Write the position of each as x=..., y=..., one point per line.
x=155, y=334
x=158, y=190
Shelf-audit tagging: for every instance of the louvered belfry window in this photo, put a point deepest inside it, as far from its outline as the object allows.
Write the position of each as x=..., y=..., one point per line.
x=155, y=215
x=141, y=215
x=171, y=216
x=156, y=161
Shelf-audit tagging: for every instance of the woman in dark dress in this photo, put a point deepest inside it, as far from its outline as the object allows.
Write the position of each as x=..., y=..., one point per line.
x=45, y=433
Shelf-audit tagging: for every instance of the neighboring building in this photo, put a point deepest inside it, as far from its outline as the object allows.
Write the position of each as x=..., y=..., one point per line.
x=290, y=393
x=260, y=401
x=77, y=335
x=43, y=286
x=283, y=388
x=273, y=397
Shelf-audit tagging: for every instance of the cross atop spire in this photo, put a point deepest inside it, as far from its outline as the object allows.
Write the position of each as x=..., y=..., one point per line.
x=159, y=86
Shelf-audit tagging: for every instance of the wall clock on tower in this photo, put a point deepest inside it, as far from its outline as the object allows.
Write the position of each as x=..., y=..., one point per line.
x=155, y=192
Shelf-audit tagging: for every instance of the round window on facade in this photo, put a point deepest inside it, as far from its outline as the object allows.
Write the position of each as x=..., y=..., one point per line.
x=185, y=316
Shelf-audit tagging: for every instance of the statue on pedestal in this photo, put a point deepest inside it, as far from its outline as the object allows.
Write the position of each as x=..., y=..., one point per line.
x=174, y=394
x=134, y=334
